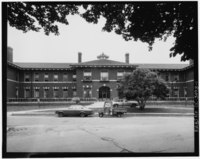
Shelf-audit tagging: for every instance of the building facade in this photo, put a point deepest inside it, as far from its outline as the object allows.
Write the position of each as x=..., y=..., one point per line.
x=97, y=79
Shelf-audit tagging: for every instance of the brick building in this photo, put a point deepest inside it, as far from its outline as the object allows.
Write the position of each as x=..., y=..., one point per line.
x=94, y=79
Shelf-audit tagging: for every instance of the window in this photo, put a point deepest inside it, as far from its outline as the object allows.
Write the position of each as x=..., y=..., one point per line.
x=55, y=92
x=87, y=93
x=36, y=77
x=65, y=93
x=17, y=77
x=36, y=93
x=46, y=77
x=128, y=73
x=167, y=78
x=65, y=77
x=176, y=92
x=104, y=76
x=27, y=93
x=55, y=77
x=46, y=92
x=74, y=93
x=120, y=75
x=185, y=91
x=87, y=76
x=74, y=77
x=27, y=77
x=176, y=77
x=169, y=94
x=17, y=92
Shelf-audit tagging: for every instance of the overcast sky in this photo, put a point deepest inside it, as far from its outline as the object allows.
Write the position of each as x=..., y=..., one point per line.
x=80, y=36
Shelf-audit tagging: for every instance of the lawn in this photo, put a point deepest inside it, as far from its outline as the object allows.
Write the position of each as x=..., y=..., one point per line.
x=33, y=107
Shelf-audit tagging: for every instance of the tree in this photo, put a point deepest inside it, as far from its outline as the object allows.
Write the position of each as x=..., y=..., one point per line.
x=35, y=16
x=143, y=21
x=147, y=21
x=142, y=84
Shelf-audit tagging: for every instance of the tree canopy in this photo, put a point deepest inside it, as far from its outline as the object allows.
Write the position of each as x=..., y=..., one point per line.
x=143, y=21
x=142, y=84
x=34, y=16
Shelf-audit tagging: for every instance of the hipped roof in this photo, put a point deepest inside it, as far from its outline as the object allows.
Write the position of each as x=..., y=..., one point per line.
x=97, y=63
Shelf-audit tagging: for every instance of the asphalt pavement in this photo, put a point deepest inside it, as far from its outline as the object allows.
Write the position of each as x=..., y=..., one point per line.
x=133, y=134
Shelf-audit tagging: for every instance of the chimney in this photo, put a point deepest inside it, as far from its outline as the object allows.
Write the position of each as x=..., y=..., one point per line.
x=127, y=57
x=9, y=54
x=79, y=57
x=191, y=62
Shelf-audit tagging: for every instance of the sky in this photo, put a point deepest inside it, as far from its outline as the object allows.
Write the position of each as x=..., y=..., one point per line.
x=81, y=36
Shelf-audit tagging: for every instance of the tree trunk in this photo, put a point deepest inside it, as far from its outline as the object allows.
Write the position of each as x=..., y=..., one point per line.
x=142, y=103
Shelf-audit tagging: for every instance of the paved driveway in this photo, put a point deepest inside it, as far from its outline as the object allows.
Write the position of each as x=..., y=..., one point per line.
x=94, y=134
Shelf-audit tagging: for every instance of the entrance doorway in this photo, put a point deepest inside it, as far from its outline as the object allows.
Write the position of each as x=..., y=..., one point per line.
x=104, y=92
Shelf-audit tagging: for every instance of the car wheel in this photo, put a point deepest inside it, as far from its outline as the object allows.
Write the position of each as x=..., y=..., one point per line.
x=60, y=114
x=82, y=115
x=100, y=115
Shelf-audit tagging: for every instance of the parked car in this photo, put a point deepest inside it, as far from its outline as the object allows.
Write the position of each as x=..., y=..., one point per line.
x=75, y=110
x=76, y=100
x=124, y=102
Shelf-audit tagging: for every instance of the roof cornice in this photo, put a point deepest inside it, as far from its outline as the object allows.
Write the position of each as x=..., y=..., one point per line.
x=188, y=67
x=13, y=65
